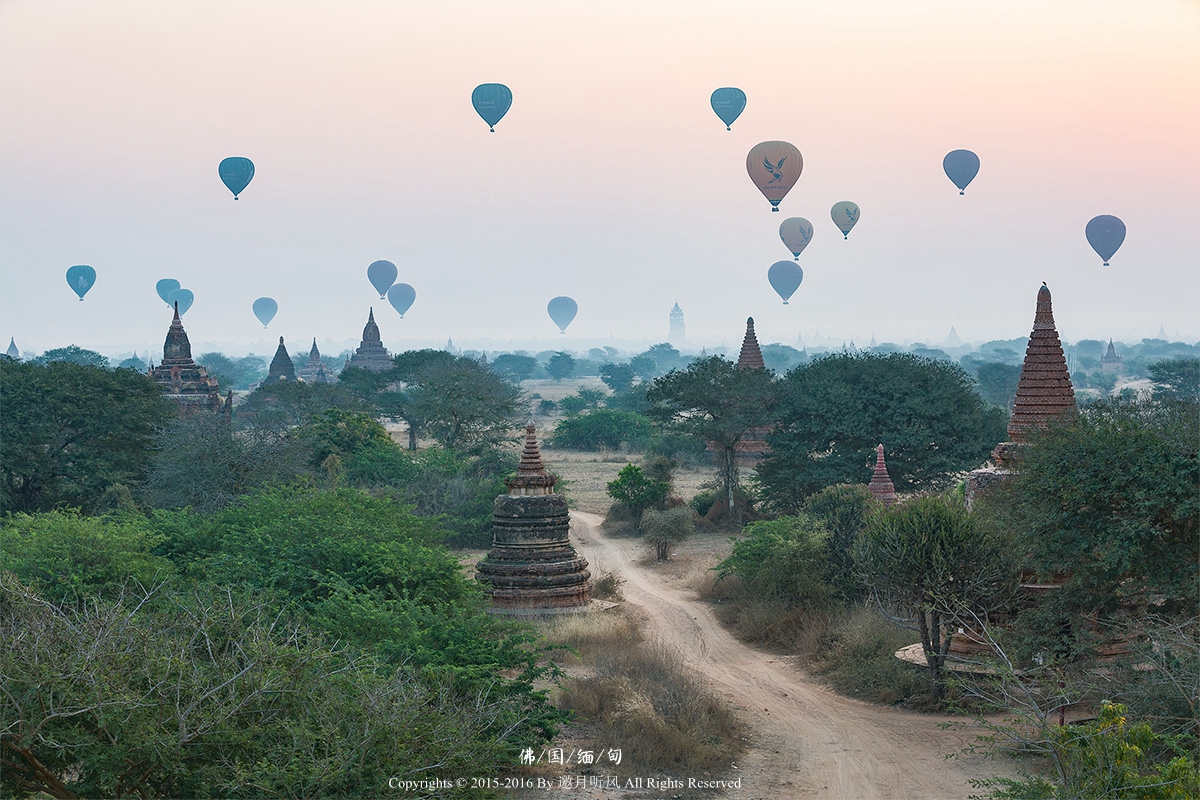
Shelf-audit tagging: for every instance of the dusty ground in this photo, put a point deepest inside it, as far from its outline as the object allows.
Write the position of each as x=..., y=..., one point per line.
x=807, y=741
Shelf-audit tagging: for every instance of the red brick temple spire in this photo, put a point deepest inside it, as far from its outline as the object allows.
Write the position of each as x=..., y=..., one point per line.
x=532, y=477
x=881, y=484
x=1044, y=390
x=751, y=356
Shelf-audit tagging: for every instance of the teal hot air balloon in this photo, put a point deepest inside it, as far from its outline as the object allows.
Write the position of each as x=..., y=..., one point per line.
x=961, y=168
x=562, y=310
x=401, y=296
x=491, y=101
x=236, y=173
x=165, y=287
x=183, y=297
x=785, y=277
x=265, y=309
x=729, y=103
x=382, y=274
x=81, y=278
x=1105, y=234
x=796, y=233
x=845, y=216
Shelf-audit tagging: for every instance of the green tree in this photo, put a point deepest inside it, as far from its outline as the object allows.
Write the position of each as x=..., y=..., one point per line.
x=1109, y=501
x=462, y=403
x=636, y=490
x=715, y=401
x=927, y=564
x=1178, y=377
x=844, y=510
x=783, y=558
x=834, y=410
x=72, y=431
x=998, y=383
x=71, y=354
x=561, y=365
x=645, y=367
x=514, y=366
x=603, y=429
x=342, y=433
x=234, y=373
x=618, y=377
x=663, y=529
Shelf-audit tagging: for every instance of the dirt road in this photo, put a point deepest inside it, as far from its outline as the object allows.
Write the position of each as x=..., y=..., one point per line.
x=808, y=742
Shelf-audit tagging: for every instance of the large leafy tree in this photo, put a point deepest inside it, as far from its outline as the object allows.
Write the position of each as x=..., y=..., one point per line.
x=1179, y=377
x=71, y=432
x=835, y=410
x=462, y=403
x=719, y=403
x=561, y=365
x=1109, y=501
x=72, y=354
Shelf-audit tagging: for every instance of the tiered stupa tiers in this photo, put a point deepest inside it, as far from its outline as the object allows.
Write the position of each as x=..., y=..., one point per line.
x=314, y=370
x=371, y=353
x=12, y=351
x=181, y=379
x=532, y=567
x=282, y=368
x=751, y=356
x=1044, y=391
x=881, y=484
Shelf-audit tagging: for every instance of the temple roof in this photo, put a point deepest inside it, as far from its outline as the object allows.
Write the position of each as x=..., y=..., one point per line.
x=751, y=356
x=12, y=351
x=180, y=378
x=881, y=484
x=531, y=472
x=371, y=330
x=282, y=368
x=371, y=354
x=1044, y=390
x=177, y=350
x=314, y=354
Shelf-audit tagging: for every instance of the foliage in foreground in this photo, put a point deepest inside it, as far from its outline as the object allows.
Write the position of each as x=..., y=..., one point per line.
x=784, y=559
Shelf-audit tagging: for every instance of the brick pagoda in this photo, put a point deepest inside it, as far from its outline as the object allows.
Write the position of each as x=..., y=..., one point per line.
x=314, y=370
x=182, y=380
x=881, y=483
x=282, y=368
x=371, y=353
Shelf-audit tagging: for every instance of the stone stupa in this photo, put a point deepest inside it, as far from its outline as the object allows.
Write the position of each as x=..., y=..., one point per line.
x=371, y=354
x=282, y=368
x=181, y=379
x=881, y=483
x=532, y=568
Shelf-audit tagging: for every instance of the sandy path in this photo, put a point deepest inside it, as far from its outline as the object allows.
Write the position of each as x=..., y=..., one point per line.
x=807, y=741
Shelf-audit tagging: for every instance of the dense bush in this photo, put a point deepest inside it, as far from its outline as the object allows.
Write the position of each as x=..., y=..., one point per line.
x=782, y=558
x=603, y=429
x=843, y=510
x=662, y=529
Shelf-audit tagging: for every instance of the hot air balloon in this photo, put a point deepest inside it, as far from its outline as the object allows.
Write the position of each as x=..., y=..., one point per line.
x=236, y=173
x=729, y=104
x=1105, y=234
x=845, y=216
x=382, y=274
x=401, y=296
x=165, y=287
x=774, y=167
x=961, y=168
x=183, y=297
x=562, y=310
x=80, y=278
x=796, y=233
x=491, y=101
x=785, y=277
x=265, y=309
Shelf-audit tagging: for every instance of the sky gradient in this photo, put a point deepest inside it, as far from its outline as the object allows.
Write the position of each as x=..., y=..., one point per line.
x=610, y=180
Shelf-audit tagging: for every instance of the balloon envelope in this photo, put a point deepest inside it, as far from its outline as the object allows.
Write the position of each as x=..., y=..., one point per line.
x=785, y=277
x=265, y=309
x=774, y=167
x=961, y=168
x=729, y=103
x=796, y=233
x=1105, y=234
x=182, y=296
x=165, y=287
x=845, y=216
x=236, y=173
x=382, y=274
x=80, y=278
x=491, y=101
x=401, y=296
x=562, y=310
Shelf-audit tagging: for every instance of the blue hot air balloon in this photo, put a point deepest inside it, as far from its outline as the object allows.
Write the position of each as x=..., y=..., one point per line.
x=796, y=233
x=165, y=287
x=562, y=310
x=1105, y=234
x=961, y=168
x=382, y=274
x=401, y=296
x=236, y=173
x=729, y=103
x=845, y=216
x=785, y=277
x=491, y=101
x=183, y=297
x=80, y=278
x=265, y=309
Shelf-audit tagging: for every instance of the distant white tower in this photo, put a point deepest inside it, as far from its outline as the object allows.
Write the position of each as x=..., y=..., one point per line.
x=678, y=334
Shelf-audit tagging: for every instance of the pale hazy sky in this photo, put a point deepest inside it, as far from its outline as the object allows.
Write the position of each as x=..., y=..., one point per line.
x=610, y=180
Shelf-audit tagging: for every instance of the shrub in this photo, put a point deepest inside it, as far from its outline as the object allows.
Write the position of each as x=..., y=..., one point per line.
x=602, y=429
x=843, y=510
x=637, y=491
x=783, y=558
x=665, y=528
